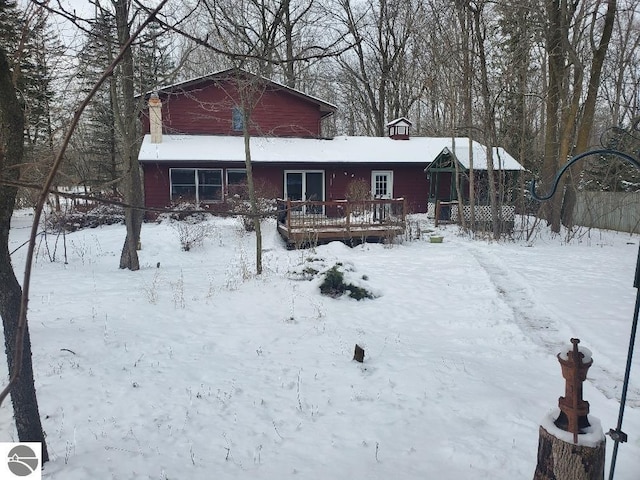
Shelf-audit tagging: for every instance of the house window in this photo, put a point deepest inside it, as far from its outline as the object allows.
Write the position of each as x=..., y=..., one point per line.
x=196, y=184
x=237, y=182
x=237, y=119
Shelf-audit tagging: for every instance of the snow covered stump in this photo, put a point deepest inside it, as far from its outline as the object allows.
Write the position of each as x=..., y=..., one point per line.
x=571, y=446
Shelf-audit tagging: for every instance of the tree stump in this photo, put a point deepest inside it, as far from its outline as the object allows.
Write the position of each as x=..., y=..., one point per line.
x=563, y=460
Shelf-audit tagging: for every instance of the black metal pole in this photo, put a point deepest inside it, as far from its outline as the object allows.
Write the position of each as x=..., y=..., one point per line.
x=618, y=435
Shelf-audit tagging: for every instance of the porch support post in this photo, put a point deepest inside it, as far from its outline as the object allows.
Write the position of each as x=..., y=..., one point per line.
x=348, y=215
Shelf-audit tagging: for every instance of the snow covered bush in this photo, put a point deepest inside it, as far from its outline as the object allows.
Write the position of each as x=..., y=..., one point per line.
x=186, y=211
x=334, y=285
x=77, y=219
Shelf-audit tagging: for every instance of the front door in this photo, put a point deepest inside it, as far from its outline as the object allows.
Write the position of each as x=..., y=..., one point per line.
x=382, y=184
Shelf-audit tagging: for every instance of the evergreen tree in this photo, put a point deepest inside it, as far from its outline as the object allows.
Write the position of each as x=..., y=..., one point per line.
x=43, y=49
x=99, y=161
x=153, y=63
x=10, y=37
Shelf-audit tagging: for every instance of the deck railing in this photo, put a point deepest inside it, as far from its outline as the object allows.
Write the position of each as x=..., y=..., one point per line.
x=347, y=216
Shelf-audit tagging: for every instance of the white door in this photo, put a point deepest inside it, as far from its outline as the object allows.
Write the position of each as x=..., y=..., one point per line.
x=382, y=184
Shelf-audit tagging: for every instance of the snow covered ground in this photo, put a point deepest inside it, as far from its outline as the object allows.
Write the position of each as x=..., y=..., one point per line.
x=194, y=368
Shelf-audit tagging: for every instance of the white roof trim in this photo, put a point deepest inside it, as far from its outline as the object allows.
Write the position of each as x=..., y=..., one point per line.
x=398, y=121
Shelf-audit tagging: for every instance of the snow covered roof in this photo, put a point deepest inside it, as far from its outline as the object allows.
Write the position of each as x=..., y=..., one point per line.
x=342, y=149
x=400, y=121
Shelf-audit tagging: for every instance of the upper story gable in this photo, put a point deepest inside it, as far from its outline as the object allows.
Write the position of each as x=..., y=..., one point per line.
x=214, y=104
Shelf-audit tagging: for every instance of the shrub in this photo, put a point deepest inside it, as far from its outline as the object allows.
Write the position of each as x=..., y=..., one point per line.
x=190, y=212
x=335, y=286
x=191, y=234
x=74, y=219
x=358, y=190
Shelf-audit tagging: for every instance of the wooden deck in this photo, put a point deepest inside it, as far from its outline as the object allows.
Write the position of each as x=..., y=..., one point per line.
x=304, y=223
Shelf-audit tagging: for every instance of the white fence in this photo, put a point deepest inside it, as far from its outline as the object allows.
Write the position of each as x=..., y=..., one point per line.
x=609, y=210
x=481, y=212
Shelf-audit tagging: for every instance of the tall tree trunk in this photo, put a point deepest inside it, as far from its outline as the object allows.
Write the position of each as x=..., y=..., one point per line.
x=555, y=60
x=488, y=123
x=249, y=91
x=23, y=392
x=467, y=63
x=569, y=122
x=253, y=201
x=588, y=109
x=127, y=118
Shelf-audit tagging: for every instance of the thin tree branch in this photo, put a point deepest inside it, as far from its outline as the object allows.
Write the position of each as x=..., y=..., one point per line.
x=42, y=198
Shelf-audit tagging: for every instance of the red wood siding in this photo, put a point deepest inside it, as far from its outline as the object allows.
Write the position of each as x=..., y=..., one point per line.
x=156, y=186
x=207, y=109
x=409, y=181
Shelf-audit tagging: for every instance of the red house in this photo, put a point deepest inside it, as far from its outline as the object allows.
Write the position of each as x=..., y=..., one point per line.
x=194, y=147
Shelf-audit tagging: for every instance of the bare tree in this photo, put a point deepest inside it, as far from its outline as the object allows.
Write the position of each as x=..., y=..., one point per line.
x=128, y=122
x=16, y=334
x=569, y=119
x=14, y=306
x=382, y=78
x=621, y=80
x=488, y=114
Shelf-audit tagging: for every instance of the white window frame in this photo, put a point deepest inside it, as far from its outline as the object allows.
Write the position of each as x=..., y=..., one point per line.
x=197, y=183
x=389, y=174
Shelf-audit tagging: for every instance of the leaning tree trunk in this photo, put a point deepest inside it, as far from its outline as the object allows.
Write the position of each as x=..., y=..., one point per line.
x=23, y=392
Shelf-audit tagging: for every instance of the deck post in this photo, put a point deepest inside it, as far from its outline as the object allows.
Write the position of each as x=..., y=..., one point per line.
x=289, y=216
x=347, y=213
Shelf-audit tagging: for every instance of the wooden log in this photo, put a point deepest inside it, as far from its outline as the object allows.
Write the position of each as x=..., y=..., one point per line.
x=563, y=460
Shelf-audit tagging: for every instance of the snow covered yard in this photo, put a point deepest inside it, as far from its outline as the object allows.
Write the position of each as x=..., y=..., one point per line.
x=198, y=369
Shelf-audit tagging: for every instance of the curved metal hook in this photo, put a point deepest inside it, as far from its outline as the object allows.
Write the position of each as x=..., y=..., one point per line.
x=575, y=159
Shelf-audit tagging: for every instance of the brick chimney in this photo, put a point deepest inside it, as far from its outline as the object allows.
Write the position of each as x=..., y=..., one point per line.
x=399, y=128
x=155, y=118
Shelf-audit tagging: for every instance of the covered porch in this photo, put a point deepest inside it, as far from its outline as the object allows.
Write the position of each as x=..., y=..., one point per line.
x=303, y=223
x=449, y=183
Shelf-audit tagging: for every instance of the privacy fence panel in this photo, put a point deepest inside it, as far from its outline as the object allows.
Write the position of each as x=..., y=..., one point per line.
x=613, y=211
